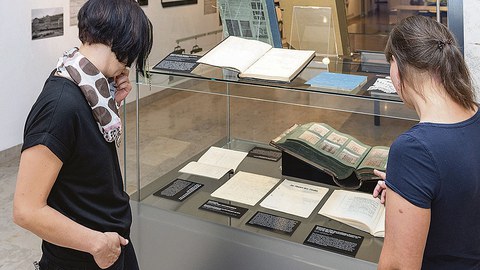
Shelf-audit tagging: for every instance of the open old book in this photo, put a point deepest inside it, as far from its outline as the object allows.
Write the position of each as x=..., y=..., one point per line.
x=335, y=153
x=215, y=163
x=258, y=60
x=357, y=209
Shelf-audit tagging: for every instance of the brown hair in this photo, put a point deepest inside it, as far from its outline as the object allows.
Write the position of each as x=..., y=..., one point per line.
x=420, y=44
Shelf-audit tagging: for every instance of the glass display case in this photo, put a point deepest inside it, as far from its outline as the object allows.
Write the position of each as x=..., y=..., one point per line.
x=177, y=117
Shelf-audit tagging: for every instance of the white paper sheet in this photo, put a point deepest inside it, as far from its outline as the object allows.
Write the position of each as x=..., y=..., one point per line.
x=384, y=85
x=206, y=170
x=295, y=198
x=247, y=188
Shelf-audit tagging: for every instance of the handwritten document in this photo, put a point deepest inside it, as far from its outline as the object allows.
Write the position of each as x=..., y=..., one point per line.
x=247, y=188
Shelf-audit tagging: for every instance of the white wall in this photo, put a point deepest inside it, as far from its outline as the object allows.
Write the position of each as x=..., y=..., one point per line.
x=471, y=42
x=26, y=63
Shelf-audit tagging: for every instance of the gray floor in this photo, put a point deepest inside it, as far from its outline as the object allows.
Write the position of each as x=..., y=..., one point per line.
x=18, y=247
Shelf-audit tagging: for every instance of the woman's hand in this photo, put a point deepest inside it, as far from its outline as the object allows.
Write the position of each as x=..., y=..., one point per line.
x=123, y=86
x=108, y=249
x=381, y=188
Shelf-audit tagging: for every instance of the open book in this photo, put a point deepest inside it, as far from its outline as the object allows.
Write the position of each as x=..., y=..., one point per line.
x=256, y=59
x=335, y=153
x=215, y=163
x=357, y=209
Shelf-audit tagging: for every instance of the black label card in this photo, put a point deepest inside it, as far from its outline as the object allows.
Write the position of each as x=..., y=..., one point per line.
x=183, y=63
x=224, y=209
x=333, y=240
x=265, y=153
x=178, y=190
x=274, y=223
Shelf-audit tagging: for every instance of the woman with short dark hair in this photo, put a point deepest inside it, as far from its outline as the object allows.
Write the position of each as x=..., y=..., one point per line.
x=432, y=181
x=69, y=187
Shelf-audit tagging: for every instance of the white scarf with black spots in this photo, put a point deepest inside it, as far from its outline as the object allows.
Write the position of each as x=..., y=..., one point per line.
x=99, y=93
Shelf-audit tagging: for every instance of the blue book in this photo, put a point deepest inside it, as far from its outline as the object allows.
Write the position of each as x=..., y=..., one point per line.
x=337, y=81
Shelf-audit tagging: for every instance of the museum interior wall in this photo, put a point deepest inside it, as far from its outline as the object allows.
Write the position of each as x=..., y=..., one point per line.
x=26, y=62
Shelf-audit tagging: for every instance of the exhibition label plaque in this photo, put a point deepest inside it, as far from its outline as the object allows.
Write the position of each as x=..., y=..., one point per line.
x=274, y=223
x=178, y=190
x=183, y=63
x=333, y=240
x=224, y=209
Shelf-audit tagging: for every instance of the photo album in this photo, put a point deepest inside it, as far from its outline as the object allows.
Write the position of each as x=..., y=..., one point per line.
x=333, y=152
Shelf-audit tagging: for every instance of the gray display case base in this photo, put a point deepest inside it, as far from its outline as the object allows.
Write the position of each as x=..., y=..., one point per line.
x=167, y=240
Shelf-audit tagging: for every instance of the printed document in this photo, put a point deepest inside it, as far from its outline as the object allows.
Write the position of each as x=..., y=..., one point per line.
x=295, y=198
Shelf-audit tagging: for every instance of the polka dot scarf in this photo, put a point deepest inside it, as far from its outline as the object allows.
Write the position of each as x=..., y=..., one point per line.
x=99, y=93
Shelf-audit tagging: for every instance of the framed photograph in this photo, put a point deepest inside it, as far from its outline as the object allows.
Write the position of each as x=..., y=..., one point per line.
x=174, y=3
x=47, y=23
x=143, y=2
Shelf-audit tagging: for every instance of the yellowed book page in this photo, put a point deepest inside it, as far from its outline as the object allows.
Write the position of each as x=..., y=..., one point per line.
x=247, y=188
x=357, y=209
x=235, y=52
x=222, y=157
x=380, y=229
x=206, y=170
x=279, y=64
x=215, y=163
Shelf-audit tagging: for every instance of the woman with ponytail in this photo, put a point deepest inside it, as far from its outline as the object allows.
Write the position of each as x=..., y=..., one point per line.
x=432, y=182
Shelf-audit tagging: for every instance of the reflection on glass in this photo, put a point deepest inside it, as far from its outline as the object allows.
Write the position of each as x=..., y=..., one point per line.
x=311, y=30
x=369, y=25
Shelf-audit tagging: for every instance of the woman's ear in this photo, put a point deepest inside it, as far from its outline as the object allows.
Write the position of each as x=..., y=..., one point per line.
x=395, y=76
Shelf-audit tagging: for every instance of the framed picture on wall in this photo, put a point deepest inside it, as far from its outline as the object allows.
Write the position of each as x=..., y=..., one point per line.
x=143, y=2
x=47, y=23
x=173, y=3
